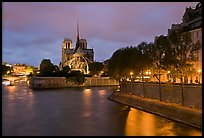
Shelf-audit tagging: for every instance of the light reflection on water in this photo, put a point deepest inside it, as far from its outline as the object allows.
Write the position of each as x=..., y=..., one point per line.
x=79, y=112
x=87, y=102
x=145, y=121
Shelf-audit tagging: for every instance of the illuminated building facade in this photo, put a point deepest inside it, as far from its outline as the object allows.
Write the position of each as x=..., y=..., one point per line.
x=6, y=64
x=21, y=69
x=192, y=22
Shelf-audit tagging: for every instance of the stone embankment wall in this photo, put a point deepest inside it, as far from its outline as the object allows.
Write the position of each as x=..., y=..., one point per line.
x=49, y=82
x=186, y=115
x=147, y=98
x=192, y=94
x=99, y=81
x=62, y=82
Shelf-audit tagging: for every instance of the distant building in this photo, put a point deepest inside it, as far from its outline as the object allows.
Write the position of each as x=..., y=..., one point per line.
x=22, y=69
x=78, y=58
x=19, y=69
x=6, y=64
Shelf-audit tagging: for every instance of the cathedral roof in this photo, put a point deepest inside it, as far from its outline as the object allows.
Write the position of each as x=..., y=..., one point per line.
x=69, y=51
x=79, y=51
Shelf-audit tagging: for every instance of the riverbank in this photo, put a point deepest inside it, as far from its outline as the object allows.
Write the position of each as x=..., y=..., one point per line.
x=183, y=114
x=62, y=82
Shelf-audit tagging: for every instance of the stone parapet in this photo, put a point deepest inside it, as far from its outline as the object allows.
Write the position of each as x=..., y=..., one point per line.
x=186, y=115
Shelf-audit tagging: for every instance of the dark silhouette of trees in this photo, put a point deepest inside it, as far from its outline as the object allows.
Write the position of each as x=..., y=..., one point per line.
x=144, y=61
x=124, y=61
x=47, y=68
x=61, y=73
x=158, y=52
x=76, y=77
x=6, y=70
x=95, y=68
x=129, y=62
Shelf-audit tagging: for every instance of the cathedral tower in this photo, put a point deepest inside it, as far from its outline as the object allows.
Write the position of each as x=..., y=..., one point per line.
x=66, y=45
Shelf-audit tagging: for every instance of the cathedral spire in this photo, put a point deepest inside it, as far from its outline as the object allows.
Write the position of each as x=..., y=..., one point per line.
x=77, y=38
x=77, y=31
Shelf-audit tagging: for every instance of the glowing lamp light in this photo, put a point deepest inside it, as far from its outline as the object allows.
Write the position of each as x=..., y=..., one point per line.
x=131, y=73
x=168, y=71
x=147, y=72
x=199, y=71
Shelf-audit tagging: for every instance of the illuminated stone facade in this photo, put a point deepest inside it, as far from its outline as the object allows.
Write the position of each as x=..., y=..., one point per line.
x=192, y=22
x=22, y=69
x=77, y=58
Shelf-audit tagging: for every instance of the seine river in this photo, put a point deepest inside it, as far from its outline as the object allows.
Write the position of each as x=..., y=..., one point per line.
x=79, y=112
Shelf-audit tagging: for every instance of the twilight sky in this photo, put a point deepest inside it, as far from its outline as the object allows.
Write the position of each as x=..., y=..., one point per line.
x=32, y=31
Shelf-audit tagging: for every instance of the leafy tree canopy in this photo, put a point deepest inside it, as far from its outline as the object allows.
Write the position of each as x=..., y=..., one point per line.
x=47, y=68
x=96, y=67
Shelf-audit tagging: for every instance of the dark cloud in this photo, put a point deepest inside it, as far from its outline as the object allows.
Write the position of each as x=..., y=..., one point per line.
x=35, y=30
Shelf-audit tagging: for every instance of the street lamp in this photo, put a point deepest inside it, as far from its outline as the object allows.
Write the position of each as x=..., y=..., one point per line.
x=148, y=72
x=168, y=75
x=101, y=73
x=131, y=73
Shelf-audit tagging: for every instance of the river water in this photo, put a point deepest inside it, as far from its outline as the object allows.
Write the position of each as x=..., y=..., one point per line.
x=79, y=112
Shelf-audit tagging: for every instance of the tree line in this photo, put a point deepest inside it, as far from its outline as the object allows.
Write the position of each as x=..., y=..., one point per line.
x=173, y=53
x=167, y=53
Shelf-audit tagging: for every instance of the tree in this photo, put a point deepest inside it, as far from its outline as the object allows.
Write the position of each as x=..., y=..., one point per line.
x=66, y=70
x=76, y=77
x=6, y=70
x=47, y=68
x=114, y=65
x=96, y=68
x=29, y=69
x=124, y=61
x=144, y=61
x=158, y=52
x=56, y=68
x=182, y=46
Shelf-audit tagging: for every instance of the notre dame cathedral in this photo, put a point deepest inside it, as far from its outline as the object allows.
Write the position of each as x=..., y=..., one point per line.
x=78, y=58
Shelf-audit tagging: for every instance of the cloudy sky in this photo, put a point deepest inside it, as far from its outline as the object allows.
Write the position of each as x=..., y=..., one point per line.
x=33, y=31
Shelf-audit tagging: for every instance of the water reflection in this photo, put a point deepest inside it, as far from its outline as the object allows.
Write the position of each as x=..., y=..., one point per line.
x=19, y=93
x=102, y=93
x=140, y=123
x=87, y=102
x=79, y=112
x=10, y=89
x=131, y=123
x=87, y=91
